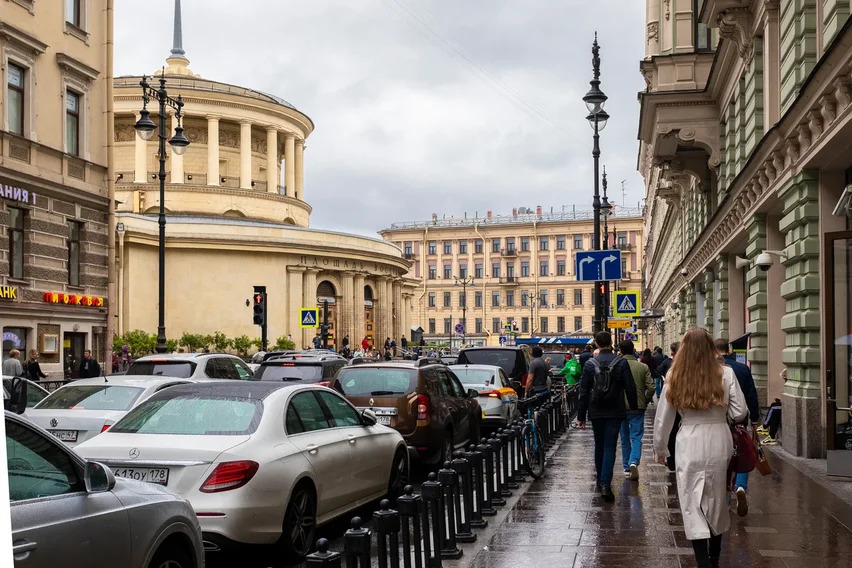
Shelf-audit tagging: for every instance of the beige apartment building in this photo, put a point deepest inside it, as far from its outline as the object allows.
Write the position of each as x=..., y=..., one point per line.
x=53, y=179
x=522, y=265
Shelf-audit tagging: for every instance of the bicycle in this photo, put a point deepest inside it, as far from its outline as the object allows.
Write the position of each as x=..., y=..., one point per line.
x=532, y=444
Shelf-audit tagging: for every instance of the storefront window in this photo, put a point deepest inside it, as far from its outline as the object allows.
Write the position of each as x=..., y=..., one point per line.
x=15, y=338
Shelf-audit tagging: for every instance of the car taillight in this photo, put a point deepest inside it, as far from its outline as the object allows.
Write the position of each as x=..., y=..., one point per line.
x=422, y=407
x=105, y=427
x=229, y=475
x=492, y=394
x=324, y=383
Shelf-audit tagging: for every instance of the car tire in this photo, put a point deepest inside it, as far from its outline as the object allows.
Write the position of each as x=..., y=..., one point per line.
x=172, y=557
x=300, y=524
x=398, y=475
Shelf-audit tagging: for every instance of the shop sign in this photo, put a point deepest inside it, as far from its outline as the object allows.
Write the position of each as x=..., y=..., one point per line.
x=8, y=292
x=11, y=337
x=19, y=194
x=73, y=299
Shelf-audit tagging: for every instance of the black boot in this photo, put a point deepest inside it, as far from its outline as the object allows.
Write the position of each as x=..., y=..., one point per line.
x=606, y=493
x=715, y=550
x=702, y=558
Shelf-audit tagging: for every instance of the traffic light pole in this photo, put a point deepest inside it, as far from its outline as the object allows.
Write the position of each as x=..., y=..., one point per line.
x=324, y=329
x=260, y=312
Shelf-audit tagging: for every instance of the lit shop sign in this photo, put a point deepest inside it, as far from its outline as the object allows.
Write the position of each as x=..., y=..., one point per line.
x=73, y=299
x=17, y=194
x=8, y=292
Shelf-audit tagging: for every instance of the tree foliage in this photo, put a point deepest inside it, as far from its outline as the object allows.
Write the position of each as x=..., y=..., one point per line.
x=242, y=344
x=283, y=344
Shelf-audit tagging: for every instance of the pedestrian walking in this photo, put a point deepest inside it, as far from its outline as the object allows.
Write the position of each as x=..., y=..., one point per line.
x=571, y=370
x=606, y=380
x=12, y=366
x=403, y=342
x=585, y=356
x=365, y=343
x=89, y=368
x=539, y=374
x=317, y=342
x=648, y=359
x=706, y=394
x=345, y=344
x=33, y=368
x=633, y=428
x=393, y=347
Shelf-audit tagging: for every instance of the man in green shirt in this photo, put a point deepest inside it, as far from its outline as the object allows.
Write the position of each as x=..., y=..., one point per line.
x=571, y=370
x=633, y=428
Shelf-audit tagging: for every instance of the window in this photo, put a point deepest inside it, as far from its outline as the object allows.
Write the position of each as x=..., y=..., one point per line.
x=408, y=250
x=510, y=269
x=578, y=323
x=38, y=468
x=560, y=242
x=304, y=414
x=495, y=299
x=525, y=268
x=448, y=247
x=525, y=244
x=510, y=298
x=560, y=268
x=622, y=240
x=72, y=123
x=495, y=325
x=578, y=296
x=542, y=294
x=341, y=411
x=462, y=299
x=495, y=245
x=477, y=270
x=447, y=300
x=578, y=242
x=543, y=268
x=462, y=247
x=431, y=299
x=448, y=325
x=560, y=297
x=560, y=324
x=433, y=247
x=16, y=242
x=448, y=271
x=525, y=325
x=477, y=247
x=15, y=102
x=543, y=243
x=432, y=325
x=510, y=244
x=495, y=270
x=478, y=325
x=73, y=12
x=544, y=322
x=623, y=267
x=462, y=271
x=433, y=272
x=525, y=299
x=73, y=253
x=701, y=33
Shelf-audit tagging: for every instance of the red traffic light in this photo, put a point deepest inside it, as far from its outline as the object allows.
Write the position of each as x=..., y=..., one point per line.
x=258, y=299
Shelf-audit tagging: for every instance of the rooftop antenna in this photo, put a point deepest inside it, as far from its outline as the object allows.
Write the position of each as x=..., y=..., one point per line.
x=623, y=192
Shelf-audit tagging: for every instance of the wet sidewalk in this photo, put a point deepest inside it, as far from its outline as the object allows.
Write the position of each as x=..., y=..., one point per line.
x=560, y=522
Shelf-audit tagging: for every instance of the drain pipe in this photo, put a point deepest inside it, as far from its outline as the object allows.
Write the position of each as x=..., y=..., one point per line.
x=484, y=267
x=110, y=147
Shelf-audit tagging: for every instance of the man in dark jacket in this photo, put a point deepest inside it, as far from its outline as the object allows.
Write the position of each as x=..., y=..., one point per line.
x=89, y=368
x=607, y=413
x=746, y=381
x=585, y=356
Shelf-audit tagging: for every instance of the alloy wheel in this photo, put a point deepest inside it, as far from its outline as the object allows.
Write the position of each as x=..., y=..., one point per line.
x=301, y=522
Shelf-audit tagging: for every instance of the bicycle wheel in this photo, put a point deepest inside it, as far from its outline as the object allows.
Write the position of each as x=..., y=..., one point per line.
x=533, y=451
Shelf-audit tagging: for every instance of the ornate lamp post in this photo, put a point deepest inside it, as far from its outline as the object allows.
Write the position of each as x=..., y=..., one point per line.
x=464, y=283
x=597, y=118
x=145, y=128
x=606, y=211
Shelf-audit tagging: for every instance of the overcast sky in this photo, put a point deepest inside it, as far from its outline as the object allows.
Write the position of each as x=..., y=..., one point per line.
x=422, y=106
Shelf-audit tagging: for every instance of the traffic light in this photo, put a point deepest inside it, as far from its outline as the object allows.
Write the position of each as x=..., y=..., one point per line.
x=324, y=329
x=602, y=289
x=259, y=301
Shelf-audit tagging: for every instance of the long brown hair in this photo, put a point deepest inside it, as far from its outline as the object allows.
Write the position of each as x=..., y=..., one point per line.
x=695, y=379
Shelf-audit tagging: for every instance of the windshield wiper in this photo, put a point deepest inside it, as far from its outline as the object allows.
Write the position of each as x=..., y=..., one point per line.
x=380, y=393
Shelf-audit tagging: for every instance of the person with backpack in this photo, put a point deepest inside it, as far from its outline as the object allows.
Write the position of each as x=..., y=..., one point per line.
x=633, y=428
x=605, y=382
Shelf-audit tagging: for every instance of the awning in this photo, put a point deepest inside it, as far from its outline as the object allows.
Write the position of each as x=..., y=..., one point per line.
x=553, y=340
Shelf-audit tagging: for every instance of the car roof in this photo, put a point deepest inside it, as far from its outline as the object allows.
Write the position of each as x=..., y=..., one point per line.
x=141, y=381
x=304, y=359
x=242, y=389
x=492, y=368
x=182, y=356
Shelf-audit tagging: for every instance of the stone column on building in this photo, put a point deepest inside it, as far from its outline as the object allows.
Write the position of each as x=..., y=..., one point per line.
x=406, y=316
x=802, y=428
x=295, y=276
x=709, y=317
x=309, y=300
x=245, y=154
x=358, y=320
x=652, y=32
x=289, y=164
x=140, y=161
x=212, y=150
x=683, y=298
x=691, y=312
x=397, y=310
x=345, y=311
x=721, y=298
x=756, y=304
x=271, y=159
x=176, y=174
x=380, y=299
x=771, y=66
x=299, y=169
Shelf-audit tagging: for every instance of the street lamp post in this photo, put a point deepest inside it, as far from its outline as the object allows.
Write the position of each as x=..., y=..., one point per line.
x=597, y=118
x=464, y=283
x=606, y=211
x=145, y=128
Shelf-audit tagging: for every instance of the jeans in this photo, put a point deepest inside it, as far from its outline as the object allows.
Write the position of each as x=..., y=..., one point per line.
x=658, y=383
x=742, y=480
x=606, y=438
x=632, y=431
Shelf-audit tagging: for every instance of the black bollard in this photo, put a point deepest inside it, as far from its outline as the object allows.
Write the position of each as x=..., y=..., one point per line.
x=356, y=545
x=500, y=489
x=448, y=480
x=519, y=445
x=486, y=468
x=462, y=468
x=505, y=447
x=322, y=558
x=474, y=456
x=433, y=519
x=386, y=522
x=409, y=506
x=492, y=471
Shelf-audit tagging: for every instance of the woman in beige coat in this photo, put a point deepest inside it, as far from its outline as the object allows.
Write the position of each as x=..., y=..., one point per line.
x=705, y=393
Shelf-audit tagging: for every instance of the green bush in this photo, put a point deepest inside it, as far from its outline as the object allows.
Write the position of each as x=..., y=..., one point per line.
x=242, y=344
x=138, y=342
x=220, y=341
x=283, y=344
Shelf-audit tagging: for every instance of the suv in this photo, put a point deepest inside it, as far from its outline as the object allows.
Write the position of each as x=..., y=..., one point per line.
x=423, y=400
x=201, y=366
x=515, y=362
x=557, y=360
x=305, y=368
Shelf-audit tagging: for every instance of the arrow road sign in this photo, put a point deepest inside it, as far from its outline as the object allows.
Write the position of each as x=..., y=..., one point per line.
x=595, y=265
x=626, y=303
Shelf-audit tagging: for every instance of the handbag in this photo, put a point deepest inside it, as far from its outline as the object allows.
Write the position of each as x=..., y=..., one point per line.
x=762, y=465
x=745, y=456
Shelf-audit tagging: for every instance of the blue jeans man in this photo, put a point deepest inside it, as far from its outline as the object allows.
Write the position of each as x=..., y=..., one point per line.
x=606, y=439
x=632, y=431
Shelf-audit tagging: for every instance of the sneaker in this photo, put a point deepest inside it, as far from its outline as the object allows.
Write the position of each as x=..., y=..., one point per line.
x=607, y=494
x=597, y=487
x=634, y=472
x=762, y=429
x=769, y=441
x=742, y=502
x=627, y=473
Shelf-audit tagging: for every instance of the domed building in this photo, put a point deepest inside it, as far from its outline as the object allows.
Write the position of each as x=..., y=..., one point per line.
x=237, y=217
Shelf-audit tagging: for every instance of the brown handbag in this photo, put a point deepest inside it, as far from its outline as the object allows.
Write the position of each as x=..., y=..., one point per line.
x=762, y=465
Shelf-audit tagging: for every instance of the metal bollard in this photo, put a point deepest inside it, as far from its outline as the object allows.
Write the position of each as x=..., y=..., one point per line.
x=492, y=467
x=500, y=488
x=449, y=480
x=322, y=558
x=356, y=545
x=409, y=506
x=462, y=468
x=517, y=427
x=474, y=456
x=386, y=521
x=506, y=443
x=487, y=470
x=433, y=519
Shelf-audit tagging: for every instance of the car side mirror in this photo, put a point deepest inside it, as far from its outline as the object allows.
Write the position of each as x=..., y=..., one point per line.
x=17, y=401
x=98, y=478
x=517, y=385
x=368, y=417
x=472, y=393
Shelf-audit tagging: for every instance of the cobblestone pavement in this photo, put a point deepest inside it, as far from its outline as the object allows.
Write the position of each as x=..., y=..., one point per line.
x=560, y=521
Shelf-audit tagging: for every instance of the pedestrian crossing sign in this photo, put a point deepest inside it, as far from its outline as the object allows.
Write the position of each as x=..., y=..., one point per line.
x=626, y=303
x=308, y=317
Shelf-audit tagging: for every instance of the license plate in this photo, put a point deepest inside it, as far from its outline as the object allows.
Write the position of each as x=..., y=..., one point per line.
x=65, y=435
x=159, y=475
x=385, y=420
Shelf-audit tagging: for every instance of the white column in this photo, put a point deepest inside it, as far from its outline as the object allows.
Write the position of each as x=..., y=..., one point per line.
x=212, y=150
x=177, y=161
x=359, y=323
x=346, y=312
x=245, y=154
x=140, y=162
x=289, y=169
x=300, y=169
x=397, y=311
x=294, y=302
x=271, y=159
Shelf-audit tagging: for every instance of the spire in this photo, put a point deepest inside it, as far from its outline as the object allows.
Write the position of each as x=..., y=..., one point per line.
x=177, y=48
x=176, y=62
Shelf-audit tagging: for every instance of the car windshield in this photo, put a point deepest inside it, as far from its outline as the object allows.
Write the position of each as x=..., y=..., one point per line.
x=290, y=372
x=556, y=359
x=194, y=415
x=373, y=381
x=505, y=359
x=473, y=376
x=91, y=397
x=178, y=369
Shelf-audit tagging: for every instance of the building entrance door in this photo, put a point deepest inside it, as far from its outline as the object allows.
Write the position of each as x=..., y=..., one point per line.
x=73, y=345
x=838, y=345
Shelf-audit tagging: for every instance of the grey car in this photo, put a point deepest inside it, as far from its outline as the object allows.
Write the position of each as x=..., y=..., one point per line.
x=69, y=512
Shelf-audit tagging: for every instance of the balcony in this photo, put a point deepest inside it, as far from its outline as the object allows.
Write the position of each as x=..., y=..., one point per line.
x=509, y=281
x=509, y=252
x=623, y=246
x=409, y=256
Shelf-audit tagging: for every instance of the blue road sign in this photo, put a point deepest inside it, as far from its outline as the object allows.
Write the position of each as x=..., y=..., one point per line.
x=594, y=265
x=459, y=328
x=502, y=340
x=308, y=317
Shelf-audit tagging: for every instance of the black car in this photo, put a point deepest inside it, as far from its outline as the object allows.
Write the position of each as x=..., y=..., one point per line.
x=557, y=360
x=515, y=362
x=305, y=368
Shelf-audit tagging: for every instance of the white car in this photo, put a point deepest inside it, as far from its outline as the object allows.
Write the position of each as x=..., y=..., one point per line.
x=261, y=462
x=198, y=366
x=498, y=399
x=84, y=408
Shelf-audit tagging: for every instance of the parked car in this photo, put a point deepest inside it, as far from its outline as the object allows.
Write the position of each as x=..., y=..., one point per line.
x=421, y=399
x=84, y=408
x=263, y=463
x=202, y=366
x=498, y=399
x=515, y=362
x=557, y=360
x=319, y=369
x=69, y=512
x=35, y=392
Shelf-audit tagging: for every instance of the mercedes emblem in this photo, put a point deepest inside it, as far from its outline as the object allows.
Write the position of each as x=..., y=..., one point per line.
x=372, y=402
x=134, y=453
x=53, y=423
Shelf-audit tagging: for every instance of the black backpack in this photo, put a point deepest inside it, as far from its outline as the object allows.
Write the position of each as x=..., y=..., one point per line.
x=604, y=389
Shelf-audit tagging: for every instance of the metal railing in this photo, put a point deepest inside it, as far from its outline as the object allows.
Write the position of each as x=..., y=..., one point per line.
x=572, y=215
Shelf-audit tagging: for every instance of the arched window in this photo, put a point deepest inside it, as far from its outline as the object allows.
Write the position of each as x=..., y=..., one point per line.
x=368, y=293
x=326, y=290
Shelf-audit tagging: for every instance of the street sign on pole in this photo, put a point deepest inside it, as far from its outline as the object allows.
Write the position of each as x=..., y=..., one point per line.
x=597, y=265
x=619, y=323
x=309, y=317
x=626, y=303
x=459, y=328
